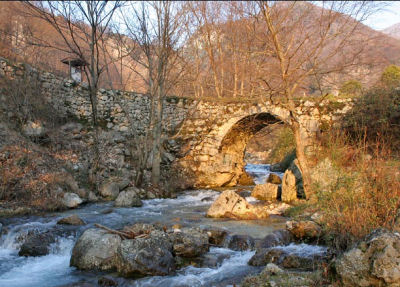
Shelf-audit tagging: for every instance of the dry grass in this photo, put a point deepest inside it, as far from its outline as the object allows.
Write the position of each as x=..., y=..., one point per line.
x=29, y=178
x=367, y=193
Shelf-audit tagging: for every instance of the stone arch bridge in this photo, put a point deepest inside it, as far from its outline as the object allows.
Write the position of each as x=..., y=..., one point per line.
x=213, y=135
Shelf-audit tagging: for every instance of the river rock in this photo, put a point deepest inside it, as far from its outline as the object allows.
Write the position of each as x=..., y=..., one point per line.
x=231, y=205
x=277, y=207
x=189, y=242
x=109, y=190
x=36, y=244
x=304, y=230
x=106, y=281
x=123, y=184
x=141, y=228
x=292, y=183
x=71, y=220
x=289, y=259
x=95, y=250
x=128, y=198
x=280, y=237
x=245, y=179
x=216, y=236
x=289, y=190
x=272, y=269
x=373, y=262
x=244, y=193
x=239, y=242
x=207, y=199
x=274, y=178
x=146, y=256
x=267, y=191
x=92, y=197
x=71, y=200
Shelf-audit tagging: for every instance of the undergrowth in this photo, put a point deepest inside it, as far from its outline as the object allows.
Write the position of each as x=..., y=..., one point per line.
x=366, y=194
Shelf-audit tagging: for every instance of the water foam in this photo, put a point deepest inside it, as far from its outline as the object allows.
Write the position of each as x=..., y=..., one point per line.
x=234, y=266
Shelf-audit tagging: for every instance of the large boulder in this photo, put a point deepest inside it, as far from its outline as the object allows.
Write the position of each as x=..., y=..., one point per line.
x=71, y=200
x=292, y=183
x=304, y=230
x=151, y=255
x=36, y=244
x=267, y=191
x=189, y=242
x=128, y=198
x=109, y=190
x=373, y=262
x=95, y=250
x=231, y=205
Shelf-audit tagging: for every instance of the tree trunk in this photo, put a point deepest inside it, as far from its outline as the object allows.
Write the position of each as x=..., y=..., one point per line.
x=158, y=107
x=303, y=160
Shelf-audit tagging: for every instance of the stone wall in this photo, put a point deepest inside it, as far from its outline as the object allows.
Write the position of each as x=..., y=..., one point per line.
x=70, y=98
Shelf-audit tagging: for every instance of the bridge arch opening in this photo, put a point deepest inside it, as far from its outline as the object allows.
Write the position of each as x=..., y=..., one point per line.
x=233, y=145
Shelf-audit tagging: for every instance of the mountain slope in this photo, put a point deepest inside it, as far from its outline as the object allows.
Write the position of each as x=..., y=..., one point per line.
x=393, y=31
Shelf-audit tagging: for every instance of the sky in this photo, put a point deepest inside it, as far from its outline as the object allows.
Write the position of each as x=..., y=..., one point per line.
x=387, y=17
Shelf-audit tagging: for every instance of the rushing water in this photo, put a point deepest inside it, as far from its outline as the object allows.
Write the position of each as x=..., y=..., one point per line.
x=260, y=172
x=188, y=209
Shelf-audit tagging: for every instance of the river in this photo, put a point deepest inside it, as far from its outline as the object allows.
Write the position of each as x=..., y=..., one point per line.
x=188, y=209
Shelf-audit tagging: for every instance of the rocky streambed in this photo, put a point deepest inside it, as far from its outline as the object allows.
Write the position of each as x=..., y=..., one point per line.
x=177, y=246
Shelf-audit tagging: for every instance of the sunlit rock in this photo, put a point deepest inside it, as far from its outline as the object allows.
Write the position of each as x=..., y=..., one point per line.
x=304, y=230
x=231, y=205
x=373, y=262
x=267, y=191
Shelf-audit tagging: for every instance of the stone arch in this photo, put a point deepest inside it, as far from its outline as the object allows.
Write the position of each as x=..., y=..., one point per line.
x=218, y=159
x=233, y=144
x=215, y=136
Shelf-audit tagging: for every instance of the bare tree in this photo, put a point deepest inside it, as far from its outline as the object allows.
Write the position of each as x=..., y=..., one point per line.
x=154, y=28
x=273, y=50
x=82, y=27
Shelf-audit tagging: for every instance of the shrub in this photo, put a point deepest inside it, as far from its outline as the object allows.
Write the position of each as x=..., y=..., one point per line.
x=391, y=76
x=24, y=98
x=377, y=114
x=351, y=88
x=367, y=193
